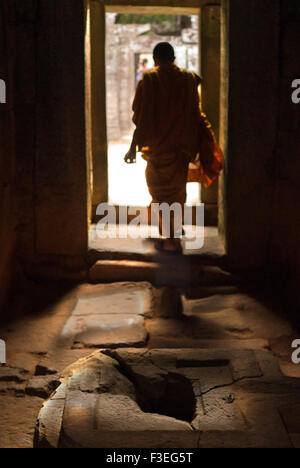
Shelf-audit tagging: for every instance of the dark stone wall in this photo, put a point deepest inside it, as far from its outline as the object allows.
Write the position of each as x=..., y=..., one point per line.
x=61, y=191
x=21, y=20
x=7, y=157
x=43, y=176
x=260, y=221
x=286, y=223
x=253, y=44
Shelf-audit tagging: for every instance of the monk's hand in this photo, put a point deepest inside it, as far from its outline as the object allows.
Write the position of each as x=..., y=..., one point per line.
x=130, y=157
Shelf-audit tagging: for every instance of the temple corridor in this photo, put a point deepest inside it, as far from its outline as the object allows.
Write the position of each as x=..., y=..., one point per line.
x=227, y=334
x=109, y=342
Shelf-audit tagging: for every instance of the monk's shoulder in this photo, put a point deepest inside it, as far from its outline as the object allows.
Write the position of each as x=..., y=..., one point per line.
x=191, y=75
x=149, y=74
x=149, y=77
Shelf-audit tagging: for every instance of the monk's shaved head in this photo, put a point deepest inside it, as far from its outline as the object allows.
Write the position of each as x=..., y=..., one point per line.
x=164, y=52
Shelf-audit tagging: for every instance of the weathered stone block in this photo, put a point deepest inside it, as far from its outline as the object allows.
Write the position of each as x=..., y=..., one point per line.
x=106, y=330
x=109, y=271
x=114, y=300
x=42, y=386
x=8, y=374
x=129, y=398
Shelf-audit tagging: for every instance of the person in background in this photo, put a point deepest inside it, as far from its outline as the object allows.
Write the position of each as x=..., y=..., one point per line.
x=142, y=68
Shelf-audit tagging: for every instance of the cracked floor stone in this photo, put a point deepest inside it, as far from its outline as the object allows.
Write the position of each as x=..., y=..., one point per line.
x=42, y=386
x=116, y=396
x=227, y=352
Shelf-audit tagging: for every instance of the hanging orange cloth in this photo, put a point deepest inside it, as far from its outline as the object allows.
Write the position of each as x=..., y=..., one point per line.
x=209, y=162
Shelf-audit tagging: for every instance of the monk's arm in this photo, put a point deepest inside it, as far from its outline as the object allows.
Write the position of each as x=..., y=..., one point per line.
x=136, y=140
x=130, y=157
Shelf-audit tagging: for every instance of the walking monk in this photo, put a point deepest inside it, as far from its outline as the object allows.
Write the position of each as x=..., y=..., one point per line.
x=169, y=125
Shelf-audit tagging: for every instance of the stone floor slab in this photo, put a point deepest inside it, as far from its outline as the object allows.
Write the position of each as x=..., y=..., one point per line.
x=109, y=315
x=238, y=315
x=106, y=330
x=118, y=302
x=167, y=270
x=227, y=386
x=42, y=386
x=108, y=271
x=221, y=412
x=18, y=420
x=129, y=398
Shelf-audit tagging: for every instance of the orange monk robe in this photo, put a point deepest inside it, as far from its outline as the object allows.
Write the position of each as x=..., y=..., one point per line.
x=208, y=164
x=166, y=115
x=172, y=132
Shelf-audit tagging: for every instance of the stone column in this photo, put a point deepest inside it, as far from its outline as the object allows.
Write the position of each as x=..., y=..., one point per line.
x=252, y=42
x=210, y=70
x=60, y=164
x=98, y=103
x=112, y=84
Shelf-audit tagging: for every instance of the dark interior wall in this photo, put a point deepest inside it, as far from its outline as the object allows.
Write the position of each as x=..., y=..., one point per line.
x=44, y=146
x=61, y=189
x=253, y=45
x=286, y=215
x=7, y=163
x=260, y=219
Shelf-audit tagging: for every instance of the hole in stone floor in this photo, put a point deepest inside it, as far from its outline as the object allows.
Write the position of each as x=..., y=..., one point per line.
x=181, y=363
x=166, y=393
x=170, y=395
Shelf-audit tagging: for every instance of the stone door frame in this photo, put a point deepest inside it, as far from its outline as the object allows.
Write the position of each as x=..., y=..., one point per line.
x=209, y=39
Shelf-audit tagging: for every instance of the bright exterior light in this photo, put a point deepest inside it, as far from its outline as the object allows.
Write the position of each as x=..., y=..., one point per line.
x=127, y=182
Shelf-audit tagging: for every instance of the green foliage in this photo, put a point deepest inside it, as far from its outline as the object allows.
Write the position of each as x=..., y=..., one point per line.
x=145, y=19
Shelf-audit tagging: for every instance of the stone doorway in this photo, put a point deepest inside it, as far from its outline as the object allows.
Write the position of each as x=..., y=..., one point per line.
x=207, y=18
x=130, y=39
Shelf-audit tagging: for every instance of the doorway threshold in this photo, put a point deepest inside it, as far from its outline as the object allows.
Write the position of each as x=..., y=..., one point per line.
x=143, y=249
